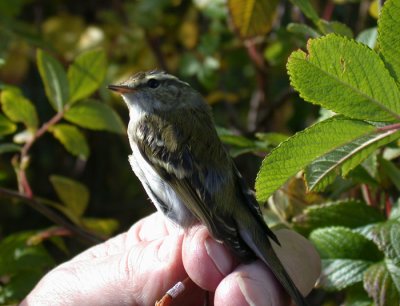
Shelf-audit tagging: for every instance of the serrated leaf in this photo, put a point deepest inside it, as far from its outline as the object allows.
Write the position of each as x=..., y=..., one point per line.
x=301, y=149
x=337, y=242
x=368, y=37
x=307, y=9
x=349, y=213
x=382, y=234
x=346, y=77
x=321, y=172
x=379, y=284
x=96, y=116
x=73, y=194
x=86, y=74
x=356, y=296
x=389, y=36
x=72, y=139
x=54, y=79
x=6, y=126
x=19, y=109
x=338, y=274
x=252, y=18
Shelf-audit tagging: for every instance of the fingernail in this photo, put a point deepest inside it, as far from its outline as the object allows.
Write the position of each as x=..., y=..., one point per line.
x=250, y=293
x=219, y=256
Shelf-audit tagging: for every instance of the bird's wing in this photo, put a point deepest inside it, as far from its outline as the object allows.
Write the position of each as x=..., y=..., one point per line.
x=173, y=154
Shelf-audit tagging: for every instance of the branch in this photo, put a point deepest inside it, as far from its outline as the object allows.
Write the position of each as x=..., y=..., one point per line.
x=33, y=202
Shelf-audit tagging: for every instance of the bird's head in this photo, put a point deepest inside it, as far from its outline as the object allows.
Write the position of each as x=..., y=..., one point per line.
x=157, y=91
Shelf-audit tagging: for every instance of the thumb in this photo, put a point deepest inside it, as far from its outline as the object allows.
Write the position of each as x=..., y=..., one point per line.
x=137, y=276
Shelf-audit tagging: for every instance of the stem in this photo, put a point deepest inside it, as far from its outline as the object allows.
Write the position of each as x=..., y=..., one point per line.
x=25, y=191
x=23, y=182
x=394, y=126
x=258, y=102
x=54, y=217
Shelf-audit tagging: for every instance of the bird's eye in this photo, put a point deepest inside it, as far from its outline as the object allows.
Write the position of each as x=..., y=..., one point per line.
x=153, y=83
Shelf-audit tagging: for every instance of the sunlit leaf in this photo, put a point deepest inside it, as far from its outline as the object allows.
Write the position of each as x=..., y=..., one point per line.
x=54, y=79
x=349, y=213
x=341, y=273
x=368, y=37
x=301, y=149
x=18, y=108
x=346, y=77
x=72, y=139
x=101, y=226
x=384, y=234
x=254, y=17
x=86, y=74
x=378, y=282
x=96, y=116
x=337, y=242
x=342, y=160
x=389, y=36
x=6, y=126
x=73, y=194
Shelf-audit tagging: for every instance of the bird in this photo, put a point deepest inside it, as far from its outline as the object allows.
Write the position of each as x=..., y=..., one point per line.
x=188, y=173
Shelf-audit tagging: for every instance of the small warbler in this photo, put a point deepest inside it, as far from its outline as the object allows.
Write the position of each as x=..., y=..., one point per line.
x=187, y=172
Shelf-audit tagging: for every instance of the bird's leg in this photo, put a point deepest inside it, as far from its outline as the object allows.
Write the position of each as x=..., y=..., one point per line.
x=173, y=293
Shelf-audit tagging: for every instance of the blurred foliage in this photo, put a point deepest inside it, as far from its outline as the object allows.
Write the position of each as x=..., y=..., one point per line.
x=65, y=181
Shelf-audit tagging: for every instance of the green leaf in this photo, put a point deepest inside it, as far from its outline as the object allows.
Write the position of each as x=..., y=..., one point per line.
x=6, y=126
x=16, y=255
x=254, y=17
x=9, y=147
x=101, y=226
x=19, y=285
x=378, y=282
x=323, y=170
x=349, y=213
x=392, y=171
x=389, y=36
x=384, y=235
x=54, y=78
x=303, y=29
x=346, y=77
x=298, y=151
x=72, y=193
x=337, y=242
x=86, y=74
x=19, y=109
x=338, y=274
x=95, y=115
x=272, y=139
x=72, y=139
x=327, y=27
x=368, y=37
x=356, y=296
x=307, y=9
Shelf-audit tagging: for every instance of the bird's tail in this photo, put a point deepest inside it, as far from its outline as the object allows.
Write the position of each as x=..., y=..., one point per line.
x=262, y=247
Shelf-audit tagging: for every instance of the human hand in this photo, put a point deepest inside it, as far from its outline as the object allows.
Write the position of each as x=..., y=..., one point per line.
x=139, y=266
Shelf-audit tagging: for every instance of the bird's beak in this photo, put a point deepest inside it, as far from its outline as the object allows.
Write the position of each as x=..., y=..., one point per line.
x=121, y=88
